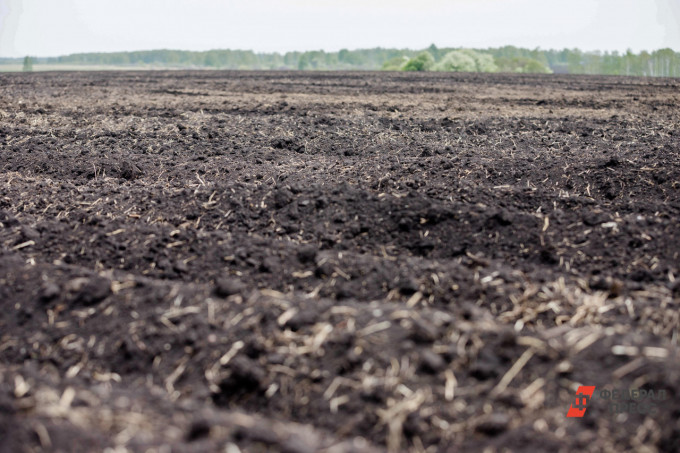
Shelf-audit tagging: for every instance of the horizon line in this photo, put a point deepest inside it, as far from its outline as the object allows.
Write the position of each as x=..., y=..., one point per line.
x=537, y=48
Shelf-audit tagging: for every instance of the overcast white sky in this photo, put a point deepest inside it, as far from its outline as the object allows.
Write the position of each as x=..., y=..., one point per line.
x=59, y=27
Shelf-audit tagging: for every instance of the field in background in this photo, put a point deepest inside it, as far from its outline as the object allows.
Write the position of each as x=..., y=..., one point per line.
x=300, y=261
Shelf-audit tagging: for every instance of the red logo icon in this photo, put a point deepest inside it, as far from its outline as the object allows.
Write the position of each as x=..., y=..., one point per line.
x=583, y=395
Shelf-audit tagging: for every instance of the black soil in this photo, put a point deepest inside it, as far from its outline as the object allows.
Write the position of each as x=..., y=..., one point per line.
x=299, y=262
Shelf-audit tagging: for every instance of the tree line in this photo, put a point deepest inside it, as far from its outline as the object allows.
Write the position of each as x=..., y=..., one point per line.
x=663, y=62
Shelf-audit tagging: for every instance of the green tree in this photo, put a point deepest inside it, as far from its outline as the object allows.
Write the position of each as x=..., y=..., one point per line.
x=466, y=60
x=485, y=62
x=457, y=61
x=575, y=61
x=531, y=66
x=211, y=59
x=290, y=59
x=423, y=62
x=303, y=61
x=28, y=64
x=524, y=65
x=434, y=51
x=667, y=62
x=395, y=64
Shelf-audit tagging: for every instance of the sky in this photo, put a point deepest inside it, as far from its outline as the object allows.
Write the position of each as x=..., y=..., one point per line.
x=60, y=27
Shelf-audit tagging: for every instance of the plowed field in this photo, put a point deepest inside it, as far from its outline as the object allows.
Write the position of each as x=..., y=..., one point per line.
x=340, y=262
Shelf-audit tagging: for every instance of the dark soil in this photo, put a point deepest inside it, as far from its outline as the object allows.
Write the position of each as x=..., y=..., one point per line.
x=299, y=262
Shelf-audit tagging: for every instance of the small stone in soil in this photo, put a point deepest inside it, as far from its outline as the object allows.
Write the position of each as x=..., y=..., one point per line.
x=423, y=331
x=49, y=291
x=494, y=424
x=94, y=291
x=226, y=286
x=307, y=253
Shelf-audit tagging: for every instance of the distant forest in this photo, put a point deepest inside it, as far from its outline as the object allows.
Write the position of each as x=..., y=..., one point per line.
x=663, y=63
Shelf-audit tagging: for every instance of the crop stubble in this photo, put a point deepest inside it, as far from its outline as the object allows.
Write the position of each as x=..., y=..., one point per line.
x=341, y=261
